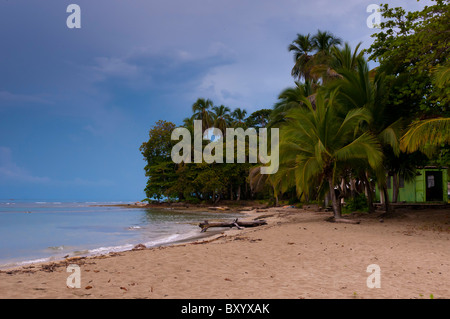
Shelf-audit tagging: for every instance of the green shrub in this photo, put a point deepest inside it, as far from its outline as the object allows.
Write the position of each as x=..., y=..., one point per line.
x=356, y=204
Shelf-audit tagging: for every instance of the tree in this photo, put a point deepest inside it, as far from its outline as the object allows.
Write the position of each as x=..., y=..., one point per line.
x=359, y=88
x=324, y=41
x=316, y=143
x=428, y=135
x=408, y=47
x=201, y=109
x=160, y=168
x=302, y=47
x=311, y=54
x=222, y=117
x=345, y=59
x=259, y=119
x=239, y=117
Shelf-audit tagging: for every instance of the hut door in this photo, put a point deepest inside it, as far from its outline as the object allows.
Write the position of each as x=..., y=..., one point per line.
x=434, y=186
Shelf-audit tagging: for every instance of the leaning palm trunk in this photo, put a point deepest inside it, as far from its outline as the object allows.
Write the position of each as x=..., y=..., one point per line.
x=334, y=200
x=395, y=187
x=368, y=191
x=386, y=199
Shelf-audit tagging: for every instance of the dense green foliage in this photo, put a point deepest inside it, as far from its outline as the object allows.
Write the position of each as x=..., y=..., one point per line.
x=409, y=48
x=343, y=127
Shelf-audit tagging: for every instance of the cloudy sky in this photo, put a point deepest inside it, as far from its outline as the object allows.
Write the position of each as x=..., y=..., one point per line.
x=76, y=104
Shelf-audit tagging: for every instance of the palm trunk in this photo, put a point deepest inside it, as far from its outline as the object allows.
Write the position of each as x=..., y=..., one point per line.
x=395, y=188
x=352, y=187
x=326, y=201
x=334, y=201
x=386, y=199
x=368, y=191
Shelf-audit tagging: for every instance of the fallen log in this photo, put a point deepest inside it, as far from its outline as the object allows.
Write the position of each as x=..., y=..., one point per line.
x=235, y=223
x=218, y=208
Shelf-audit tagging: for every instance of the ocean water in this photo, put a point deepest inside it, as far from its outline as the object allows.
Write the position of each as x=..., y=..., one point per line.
x=37, y=231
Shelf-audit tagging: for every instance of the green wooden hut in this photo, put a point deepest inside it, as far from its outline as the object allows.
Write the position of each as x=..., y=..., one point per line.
x=429, y=186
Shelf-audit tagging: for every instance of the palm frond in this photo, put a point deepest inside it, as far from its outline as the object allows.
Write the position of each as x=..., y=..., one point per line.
x=426, y=133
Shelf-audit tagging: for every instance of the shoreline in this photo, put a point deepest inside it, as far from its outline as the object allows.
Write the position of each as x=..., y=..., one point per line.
x=44, y=261
x=200, y=238
x=296, y=255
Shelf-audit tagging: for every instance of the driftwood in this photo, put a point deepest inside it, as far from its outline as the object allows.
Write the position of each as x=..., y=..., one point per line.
x=263, y=216
x=235, y=223
x=218, y=208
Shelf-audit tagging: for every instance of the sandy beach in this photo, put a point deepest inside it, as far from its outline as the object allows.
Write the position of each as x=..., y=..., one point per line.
x=296, y=255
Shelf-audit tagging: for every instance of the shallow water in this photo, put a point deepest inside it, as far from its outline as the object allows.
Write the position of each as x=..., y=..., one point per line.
x=42, y=231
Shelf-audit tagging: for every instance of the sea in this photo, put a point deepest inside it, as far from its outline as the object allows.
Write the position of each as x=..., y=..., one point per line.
x=42, y=231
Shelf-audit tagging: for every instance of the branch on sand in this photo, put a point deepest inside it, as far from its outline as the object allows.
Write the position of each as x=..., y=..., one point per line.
x=235, y=223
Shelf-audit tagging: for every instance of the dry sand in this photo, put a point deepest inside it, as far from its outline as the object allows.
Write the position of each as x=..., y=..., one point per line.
x=297, y=255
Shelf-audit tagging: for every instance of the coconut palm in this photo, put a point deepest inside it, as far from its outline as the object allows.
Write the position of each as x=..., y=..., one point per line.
x=302, y=47
x=221, y=116
x=317, y=142
x=346, y=59
x=239, y=117
x=201, y=109
x=323, y=41
x=359, y=89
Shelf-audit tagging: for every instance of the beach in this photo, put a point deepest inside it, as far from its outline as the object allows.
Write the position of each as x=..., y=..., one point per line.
x=297, y=255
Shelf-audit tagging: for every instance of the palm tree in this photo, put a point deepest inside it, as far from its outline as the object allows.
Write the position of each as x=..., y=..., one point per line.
x=188, y=123
x=345, y=59
x=201, y=110
x=359, y=89
x=323, y=41
x=303, y=47
x=311, y=54
x=221, y=116
x=239, y=117
x=316, y=143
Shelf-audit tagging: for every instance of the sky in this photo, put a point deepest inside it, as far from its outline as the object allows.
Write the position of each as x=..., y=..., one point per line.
x=77, y=103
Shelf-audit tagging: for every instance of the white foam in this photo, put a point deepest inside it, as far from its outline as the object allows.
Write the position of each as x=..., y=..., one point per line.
x=153, y=243
x=111, y=249
x=34, y=261
x=134, y=227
